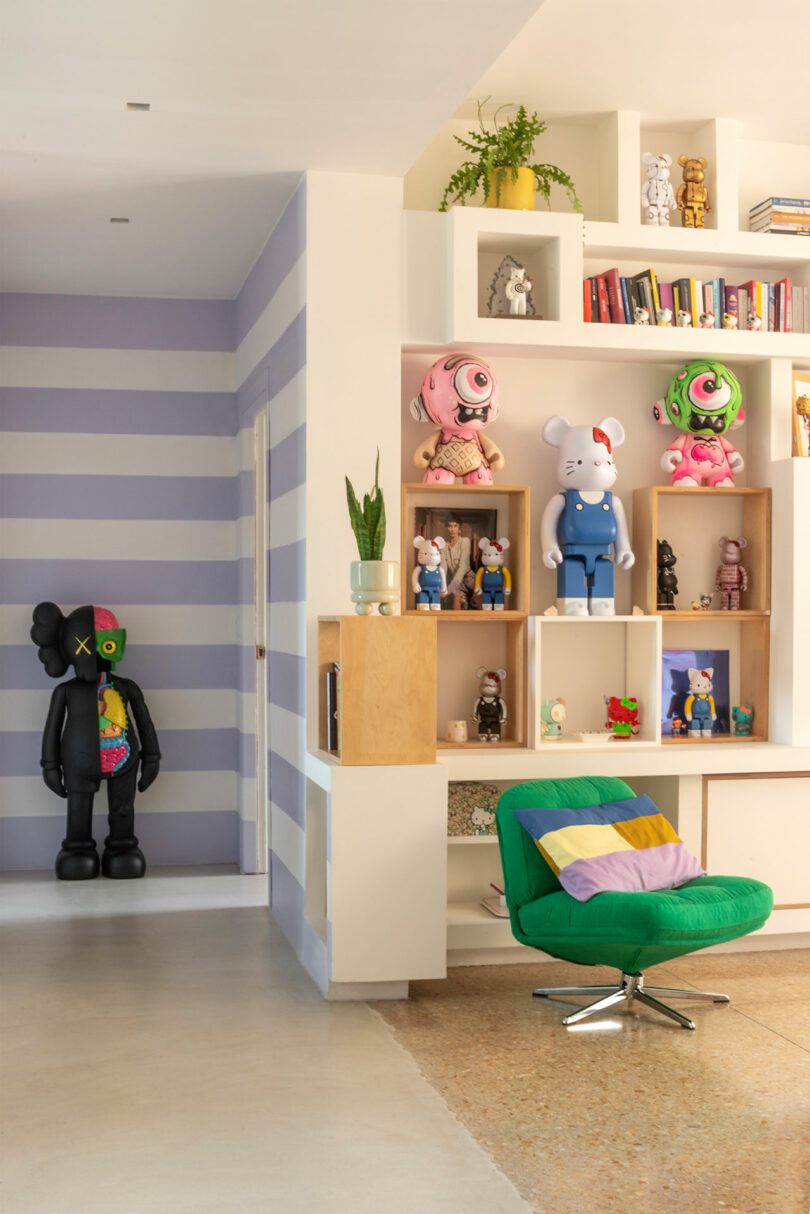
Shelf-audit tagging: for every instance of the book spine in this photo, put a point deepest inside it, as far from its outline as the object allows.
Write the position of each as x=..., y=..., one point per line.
x=655, y=293
x=614, y=293
x=731, y=301
x=602, y=300
x=586, y=300
x=665, y=290
x=628, y=311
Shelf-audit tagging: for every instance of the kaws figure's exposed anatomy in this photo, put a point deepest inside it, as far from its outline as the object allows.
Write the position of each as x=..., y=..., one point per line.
x=584, y=523
x=89, y=737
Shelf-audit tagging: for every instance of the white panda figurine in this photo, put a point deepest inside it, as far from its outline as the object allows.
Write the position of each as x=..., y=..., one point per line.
x=657, y=194
x=585, y=522
x=428, y=581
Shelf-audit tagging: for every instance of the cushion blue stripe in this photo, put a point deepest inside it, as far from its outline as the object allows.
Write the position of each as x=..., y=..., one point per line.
x=538, y=821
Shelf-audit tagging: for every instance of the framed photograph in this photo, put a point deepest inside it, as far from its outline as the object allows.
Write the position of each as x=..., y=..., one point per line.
x=461, y=529
x=801, y=413
x=675, y=688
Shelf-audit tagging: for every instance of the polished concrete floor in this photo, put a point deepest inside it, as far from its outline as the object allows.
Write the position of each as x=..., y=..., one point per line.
x=629, y=1111
x=163, y=1051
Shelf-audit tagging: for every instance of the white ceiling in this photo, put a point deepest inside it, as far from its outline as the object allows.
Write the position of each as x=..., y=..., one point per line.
x=677, y=63
x=244, y=94
x=247, y=94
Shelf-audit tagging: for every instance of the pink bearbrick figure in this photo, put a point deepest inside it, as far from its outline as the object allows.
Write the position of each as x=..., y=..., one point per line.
x=731, y=577
x=459, y=395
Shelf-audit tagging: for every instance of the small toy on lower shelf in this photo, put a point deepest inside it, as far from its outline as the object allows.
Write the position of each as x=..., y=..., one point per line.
x=622, y=716
x=703, y=603
x=699, y=708
x=552, y=719
x=743, y=717
x=731, y=577
x=493, y=581
x=667, y=581
x=428, y=580
x=490, y=710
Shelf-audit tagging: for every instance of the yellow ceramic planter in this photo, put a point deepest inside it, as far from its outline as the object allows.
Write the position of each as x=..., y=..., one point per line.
x=515, y=195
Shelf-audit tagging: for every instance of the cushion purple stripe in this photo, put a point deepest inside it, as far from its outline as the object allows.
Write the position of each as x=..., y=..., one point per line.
x=287, y=463
x=286, y=573
x=116, y=323
x=284, y=246
x=182, y=750
x=201, y=498
x=652, y=868
x=90, y=410
x=286, y=681
x=160, y=667
x=287, y=787
x=111, y=322
x=162, y=582
x=196, y=837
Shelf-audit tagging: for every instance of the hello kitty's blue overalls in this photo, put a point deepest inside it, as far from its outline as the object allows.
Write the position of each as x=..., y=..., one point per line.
x=430, y=582
x=586, y=533
x=701, y=705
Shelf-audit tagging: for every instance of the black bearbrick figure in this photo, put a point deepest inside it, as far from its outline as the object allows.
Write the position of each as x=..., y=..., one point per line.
x=89, y=737
x=667, y=581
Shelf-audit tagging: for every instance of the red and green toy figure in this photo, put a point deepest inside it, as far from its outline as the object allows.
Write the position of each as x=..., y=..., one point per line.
x=622, y=716
x=98, y=728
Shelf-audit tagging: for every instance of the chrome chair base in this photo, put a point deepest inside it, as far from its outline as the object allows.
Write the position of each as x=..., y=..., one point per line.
x=631, y=987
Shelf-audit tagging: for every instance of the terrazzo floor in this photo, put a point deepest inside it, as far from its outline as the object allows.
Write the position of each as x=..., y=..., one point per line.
x=630, y=1112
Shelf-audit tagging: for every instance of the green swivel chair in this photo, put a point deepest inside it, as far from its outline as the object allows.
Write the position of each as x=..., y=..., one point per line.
x=630, y=931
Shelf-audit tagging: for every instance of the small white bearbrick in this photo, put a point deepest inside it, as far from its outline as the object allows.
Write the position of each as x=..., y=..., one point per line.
x=699, y=708
x=490, y=710
x=428, y=581
x=493, y=580
x=657, y=194
x=731, y=577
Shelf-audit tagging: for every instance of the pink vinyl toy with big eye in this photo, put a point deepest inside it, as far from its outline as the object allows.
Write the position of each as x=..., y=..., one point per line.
x=460, y=396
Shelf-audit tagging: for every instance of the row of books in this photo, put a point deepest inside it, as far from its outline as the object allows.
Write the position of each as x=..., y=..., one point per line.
x=791, y=215
x=776, y=307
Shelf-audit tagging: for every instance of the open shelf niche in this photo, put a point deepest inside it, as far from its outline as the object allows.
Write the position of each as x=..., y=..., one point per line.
x=582, y=659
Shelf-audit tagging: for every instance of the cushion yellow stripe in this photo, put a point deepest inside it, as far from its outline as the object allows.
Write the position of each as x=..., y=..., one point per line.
x=581, y=843
x=651, y=831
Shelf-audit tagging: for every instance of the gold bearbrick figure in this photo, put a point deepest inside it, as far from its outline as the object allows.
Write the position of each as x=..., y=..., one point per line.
x=693, y=197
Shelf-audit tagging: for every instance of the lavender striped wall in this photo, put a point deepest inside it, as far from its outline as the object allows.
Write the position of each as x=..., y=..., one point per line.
x=123, y=483
x=118, y=488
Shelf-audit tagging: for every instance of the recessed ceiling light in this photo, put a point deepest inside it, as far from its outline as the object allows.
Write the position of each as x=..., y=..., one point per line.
x=139, y=105
x=118, y=219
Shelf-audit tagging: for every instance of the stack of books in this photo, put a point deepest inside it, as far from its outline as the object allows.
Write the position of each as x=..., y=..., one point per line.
x=791, y=215
x=769, y=307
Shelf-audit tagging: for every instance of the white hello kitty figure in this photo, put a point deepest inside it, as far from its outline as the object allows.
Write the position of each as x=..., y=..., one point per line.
x=584, y=523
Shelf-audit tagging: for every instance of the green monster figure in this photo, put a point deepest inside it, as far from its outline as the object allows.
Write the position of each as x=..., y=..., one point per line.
x=704, y=400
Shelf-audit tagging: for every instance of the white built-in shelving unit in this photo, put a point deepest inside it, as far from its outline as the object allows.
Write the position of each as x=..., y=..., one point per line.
x=562, y=365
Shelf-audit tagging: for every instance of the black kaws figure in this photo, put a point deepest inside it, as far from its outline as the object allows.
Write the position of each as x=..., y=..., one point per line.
x=89, y=737
x=667, y=581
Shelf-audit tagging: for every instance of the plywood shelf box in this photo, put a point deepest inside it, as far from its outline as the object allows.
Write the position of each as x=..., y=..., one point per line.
x=386, y=663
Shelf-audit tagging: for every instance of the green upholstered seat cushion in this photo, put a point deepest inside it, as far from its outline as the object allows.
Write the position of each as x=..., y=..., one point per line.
x=635, y=930
x=526, y=874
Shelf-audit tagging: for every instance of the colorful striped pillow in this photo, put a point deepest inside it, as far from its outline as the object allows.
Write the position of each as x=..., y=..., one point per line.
x=626, y=846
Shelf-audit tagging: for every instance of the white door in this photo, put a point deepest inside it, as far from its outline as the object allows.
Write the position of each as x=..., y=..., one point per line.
x=260, y=632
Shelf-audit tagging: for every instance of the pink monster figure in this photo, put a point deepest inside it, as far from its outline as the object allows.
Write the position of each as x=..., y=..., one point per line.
x=459, y=395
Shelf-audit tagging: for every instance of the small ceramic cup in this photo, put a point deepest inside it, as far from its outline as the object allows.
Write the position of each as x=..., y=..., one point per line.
x=456, y=731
